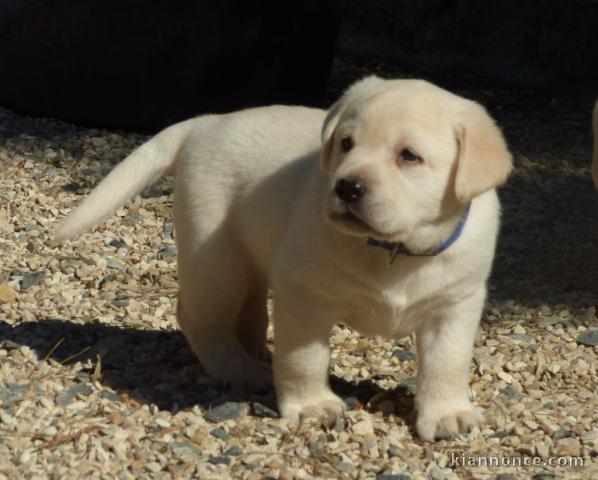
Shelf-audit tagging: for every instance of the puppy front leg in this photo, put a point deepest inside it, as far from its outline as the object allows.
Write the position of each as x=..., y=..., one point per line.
x=301, y=361
x=445, y=347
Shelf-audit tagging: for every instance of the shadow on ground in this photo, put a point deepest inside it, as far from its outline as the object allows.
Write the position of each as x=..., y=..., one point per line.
x=158, y=367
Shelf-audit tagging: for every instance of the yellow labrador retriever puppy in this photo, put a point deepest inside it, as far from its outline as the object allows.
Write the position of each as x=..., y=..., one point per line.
x=388, y=226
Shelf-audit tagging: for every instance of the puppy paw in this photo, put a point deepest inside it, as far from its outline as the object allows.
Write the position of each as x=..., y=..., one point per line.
x=436, y=422
x=326, y=407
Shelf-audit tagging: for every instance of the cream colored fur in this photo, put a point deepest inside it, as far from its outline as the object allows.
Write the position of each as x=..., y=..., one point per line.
x=253, y=211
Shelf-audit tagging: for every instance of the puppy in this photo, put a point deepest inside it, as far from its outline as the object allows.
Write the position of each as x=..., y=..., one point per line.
x=389, y=226
x=595, y=156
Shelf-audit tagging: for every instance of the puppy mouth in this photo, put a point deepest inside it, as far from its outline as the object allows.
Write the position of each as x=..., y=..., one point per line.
x=350, y=222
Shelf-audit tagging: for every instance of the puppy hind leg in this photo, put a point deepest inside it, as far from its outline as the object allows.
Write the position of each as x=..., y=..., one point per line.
x=210, y=303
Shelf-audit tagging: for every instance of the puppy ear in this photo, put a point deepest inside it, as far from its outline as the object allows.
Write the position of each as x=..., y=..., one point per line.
x=483, y=160
x=328, y=128
x=595, y=156
x=362, y=89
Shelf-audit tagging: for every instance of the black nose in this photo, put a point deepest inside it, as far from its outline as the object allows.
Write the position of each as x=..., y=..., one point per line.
x=350, y=189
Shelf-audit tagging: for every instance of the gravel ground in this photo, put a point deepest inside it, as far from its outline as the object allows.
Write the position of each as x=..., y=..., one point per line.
x=96, y=381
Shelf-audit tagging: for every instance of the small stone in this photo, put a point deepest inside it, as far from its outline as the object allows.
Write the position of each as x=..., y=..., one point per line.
x=505, y=476
x=219, y=460
x=394, y=450
x=542, y=450
x=98, y=142
x=589, y=337
x=219, y=433
x=118, y=244
x=409, y=385
x=13, y=393
x=262, y=410
x=505, y=376
x=393, y=476
x=121, y=302
x=316, y=449
x=67, y=397
x=71, y=187
x=116, y=264
x=184, y=450
x=7, y=294
x=403, y=355
x=153, y=467
x=226, y=411
x=30, y=279
x=233, y=451
x=364, y=427
x=520, y=337
x=351, y=402
x=344, y=467
x=519, y=330
x=544, y=476
x=108, y=395
x=568, y=447
x=339, y=424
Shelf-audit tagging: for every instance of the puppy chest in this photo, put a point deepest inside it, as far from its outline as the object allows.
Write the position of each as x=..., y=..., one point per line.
x=387, y=315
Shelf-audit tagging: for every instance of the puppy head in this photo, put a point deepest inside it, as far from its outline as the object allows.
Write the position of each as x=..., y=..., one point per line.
x=405, y=155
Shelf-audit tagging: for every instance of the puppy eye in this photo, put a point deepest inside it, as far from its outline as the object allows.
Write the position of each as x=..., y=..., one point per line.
x=346, y=144
x=408, y=157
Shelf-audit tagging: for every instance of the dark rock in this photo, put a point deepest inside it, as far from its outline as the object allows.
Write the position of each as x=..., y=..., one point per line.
x=351, y=402
x=409, y=385
x=67, y=397
x=233, y=451
x=118, y=244
x=219, y=433
x=544, y=476
x=589, y=338
x=505, y=476
x=107, y=279
x=31, y=278
x=166, y=251
x=221, y=460
x=393, y=476
x=510, y=393
x=316, y=449
x=394, y=450
x=108, y=395
x=71, y=187
x=262, y=410
x=403, y=355
x=167, y=231
x=562, y=433
x=226, y=411
x=184, y=449
x=121, y=302
x=13, y=393
x=116, y=264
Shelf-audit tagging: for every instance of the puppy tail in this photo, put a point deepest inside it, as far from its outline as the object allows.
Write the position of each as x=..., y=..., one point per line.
x=144, y=166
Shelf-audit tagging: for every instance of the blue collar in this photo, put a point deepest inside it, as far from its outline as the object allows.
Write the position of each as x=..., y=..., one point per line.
x=396, y=248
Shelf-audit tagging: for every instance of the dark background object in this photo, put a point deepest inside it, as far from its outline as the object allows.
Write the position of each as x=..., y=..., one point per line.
x=141, y=65
x=548, y=44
